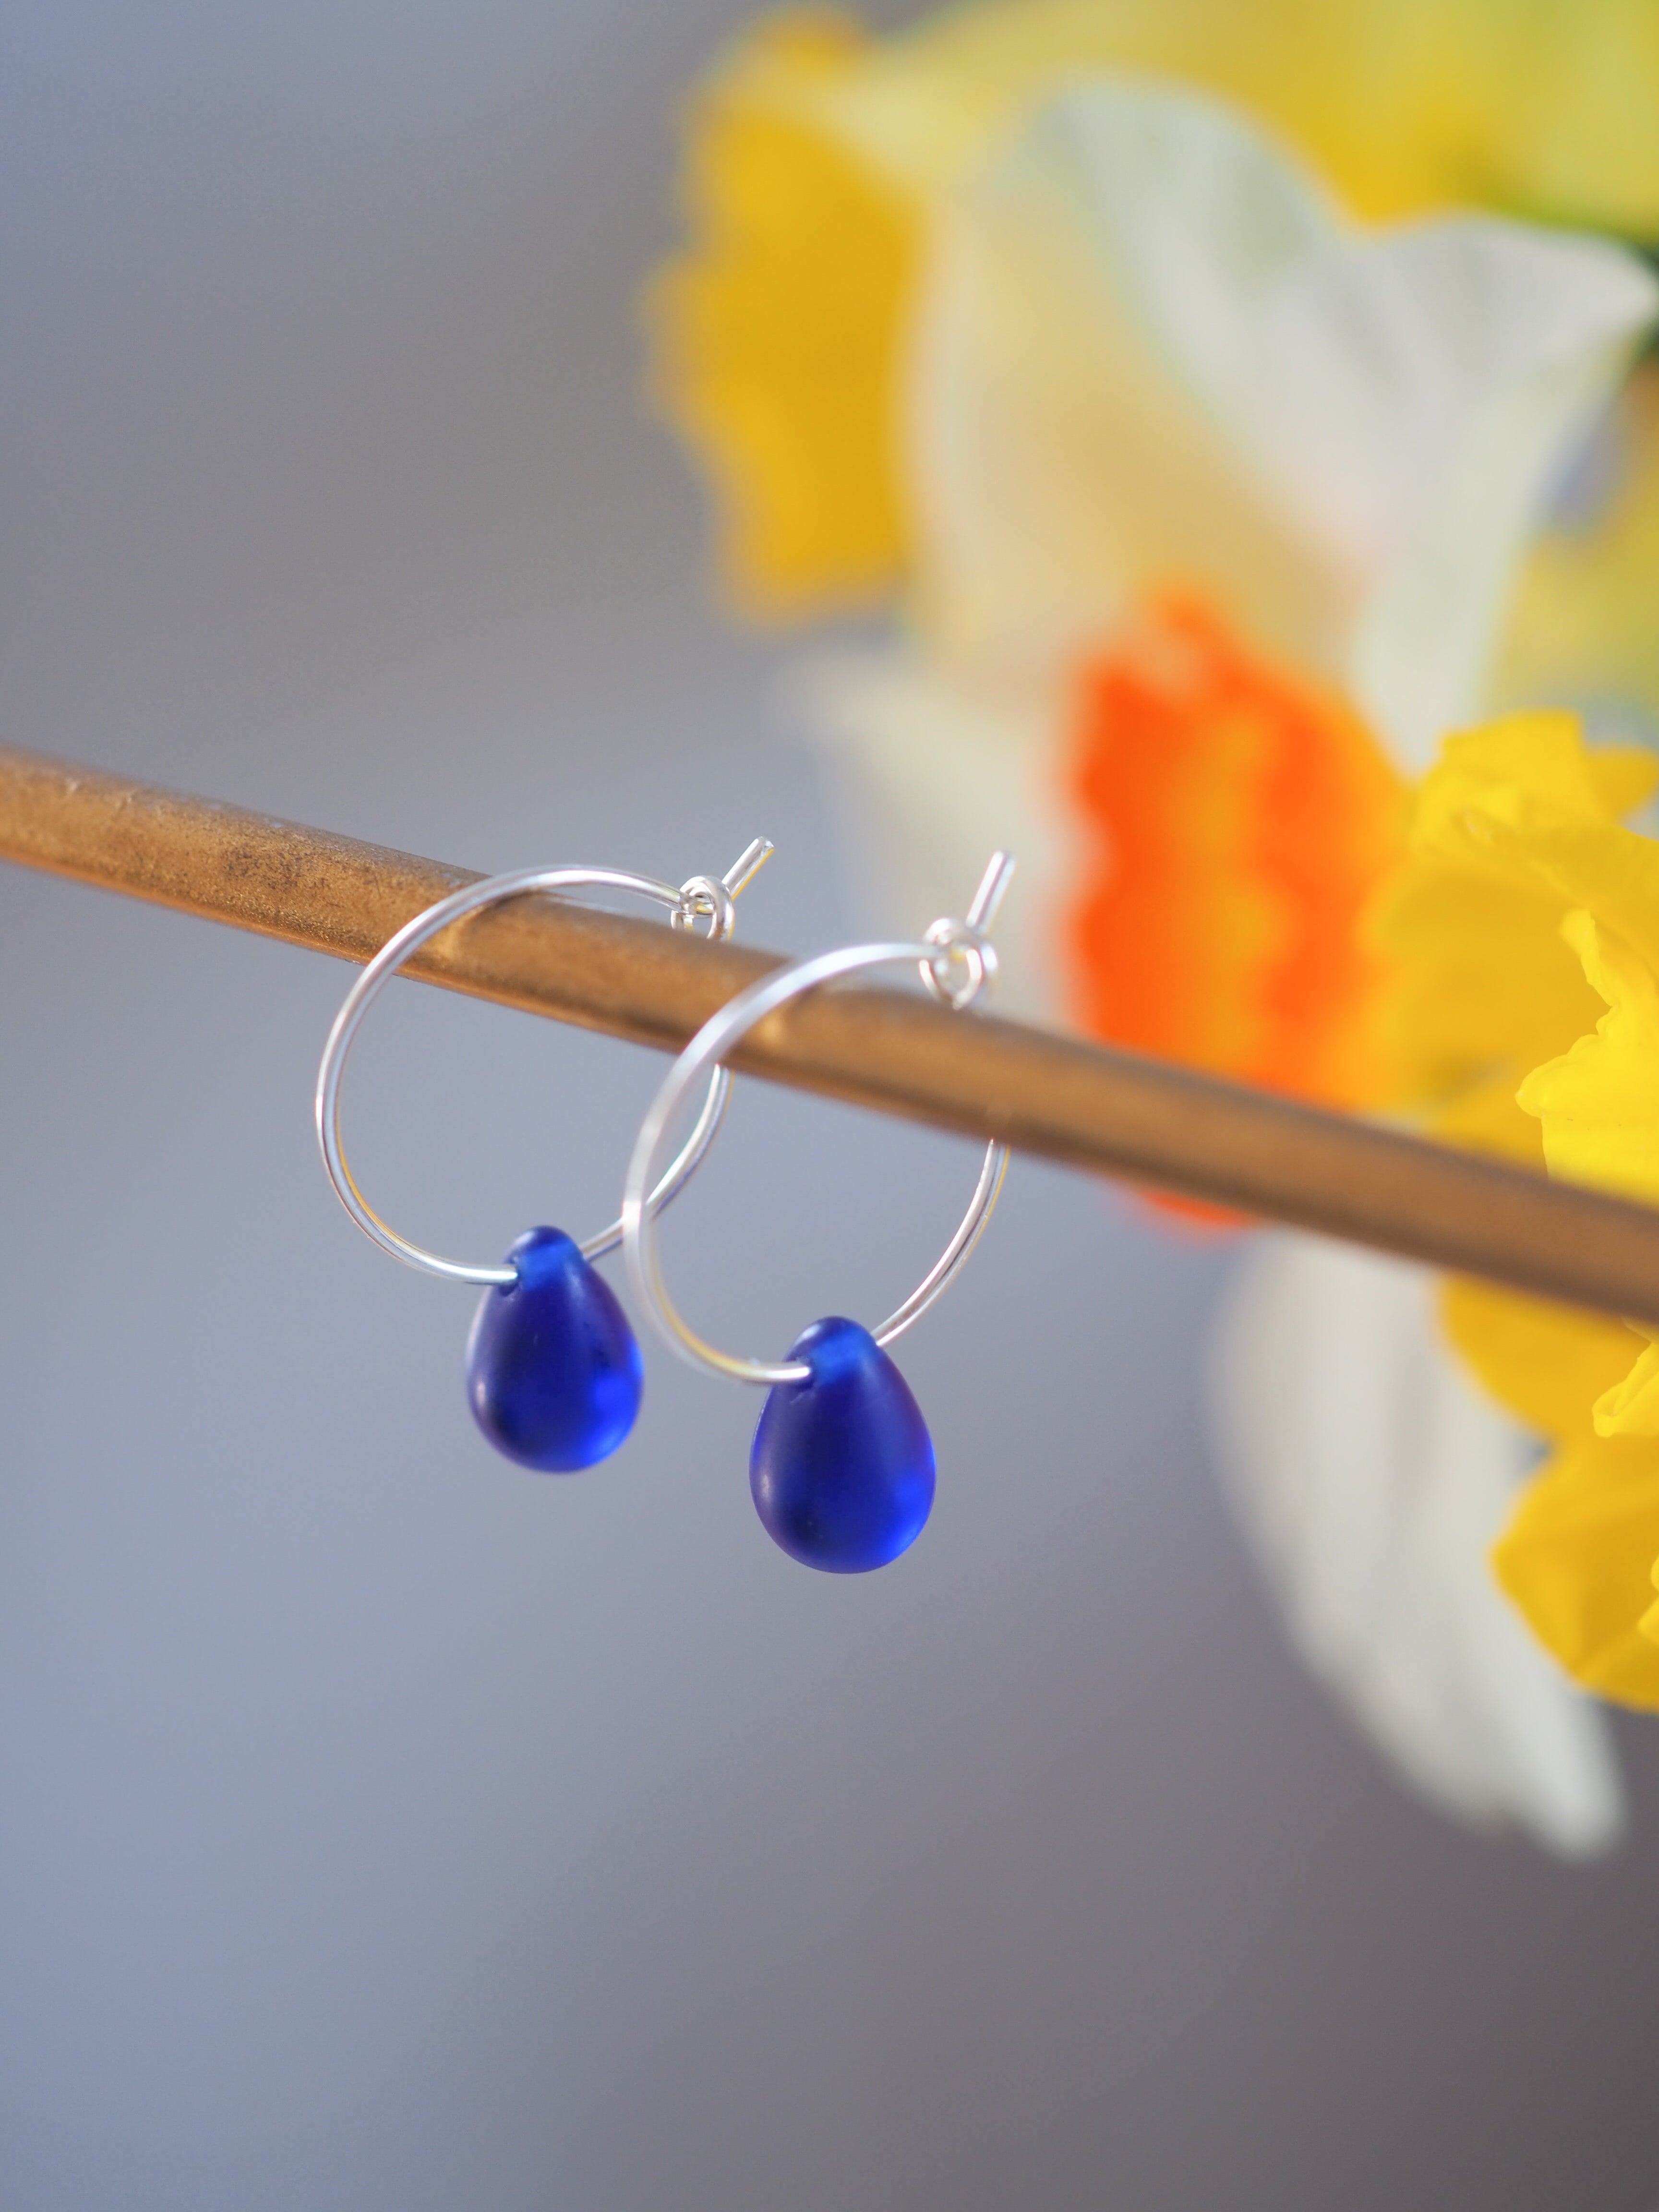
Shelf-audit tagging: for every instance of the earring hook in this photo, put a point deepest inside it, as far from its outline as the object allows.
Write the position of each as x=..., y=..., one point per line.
x=702, y=895
x=964, y=960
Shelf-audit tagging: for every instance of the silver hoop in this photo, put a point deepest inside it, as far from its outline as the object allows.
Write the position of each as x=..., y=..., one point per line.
x=950, y=947
x=702, y=898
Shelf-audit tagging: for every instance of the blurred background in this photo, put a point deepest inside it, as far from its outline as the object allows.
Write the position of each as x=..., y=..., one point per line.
x=383, y=1826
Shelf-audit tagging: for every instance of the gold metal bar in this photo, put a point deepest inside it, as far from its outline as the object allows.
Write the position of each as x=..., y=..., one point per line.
x=1114, y=1113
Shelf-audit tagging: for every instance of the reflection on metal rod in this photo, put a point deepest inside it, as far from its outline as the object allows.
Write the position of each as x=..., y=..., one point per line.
x=1111, y=1112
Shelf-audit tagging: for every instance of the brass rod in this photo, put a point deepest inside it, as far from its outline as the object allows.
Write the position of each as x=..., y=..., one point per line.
x=1086, y=1105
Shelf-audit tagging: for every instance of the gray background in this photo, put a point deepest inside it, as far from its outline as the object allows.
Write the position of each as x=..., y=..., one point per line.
x=383, y=1828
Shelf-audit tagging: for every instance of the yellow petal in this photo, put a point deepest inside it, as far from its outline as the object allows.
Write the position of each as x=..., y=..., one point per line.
x=1516, y=824
x=1611, y=872
x=1576, y=1559
x=1484, y=1118
x=1599, y=1103
x=1546, y=1362
x=1625, y=775
x=1529, y=771
x=777, y=335
x=1631, y=1408
x=1480, y=986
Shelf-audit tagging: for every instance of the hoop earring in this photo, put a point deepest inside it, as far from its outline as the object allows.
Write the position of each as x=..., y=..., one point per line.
x=553, y=1371
x=842, y=1468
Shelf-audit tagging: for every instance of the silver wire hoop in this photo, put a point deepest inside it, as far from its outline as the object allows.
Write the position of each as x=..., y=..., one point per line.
x=956, y=961
x=704, y=898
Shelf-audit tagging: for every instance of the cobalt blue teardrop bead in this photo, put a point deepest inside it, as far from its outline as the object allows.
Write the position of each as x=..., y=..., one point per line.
x=553, y=1370
x=842, y=1471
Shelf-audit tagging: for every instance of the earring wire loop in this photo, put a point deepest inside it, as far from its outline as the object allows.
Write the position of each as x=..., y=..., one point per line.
x=937, y=957
x=703, y=898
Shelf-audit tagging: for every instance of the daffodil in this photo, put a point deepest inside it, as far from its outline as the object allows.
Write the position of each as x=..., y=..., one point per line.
x=1148, y=354
x=1055, y=326
x=1150, y=350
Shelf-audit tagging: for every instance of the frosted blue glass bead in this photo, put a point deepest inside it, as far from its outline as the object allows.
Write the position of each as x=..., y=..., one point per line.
x=842, y=1471
x=553, y=1371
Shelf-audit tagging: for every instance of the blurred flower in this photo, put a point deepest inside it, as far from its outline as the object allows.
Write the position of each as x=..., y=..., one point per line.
x=1117, y=381
x=1203, y=508
x=1147, y=355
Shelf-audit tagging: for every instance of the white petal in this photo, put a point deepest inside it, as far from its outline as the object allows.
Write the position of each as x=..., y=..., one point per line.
x=1057, y=460
x=1370, y=1479
x=933, y=772
x=1518, y=339
x=1147, y=349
